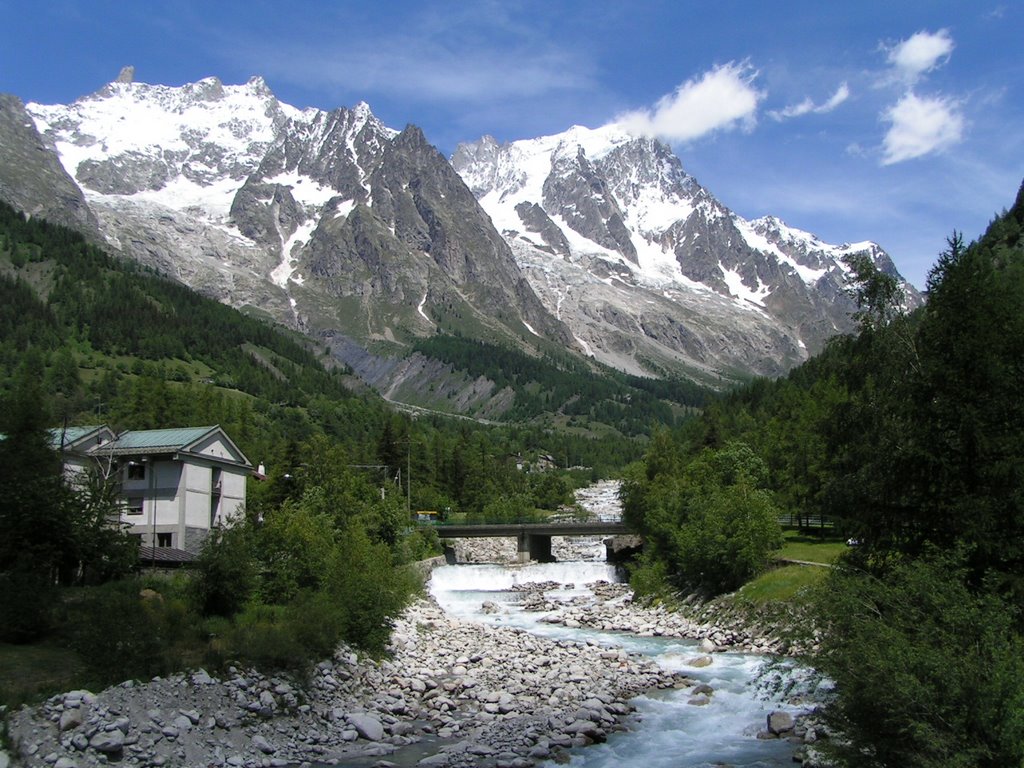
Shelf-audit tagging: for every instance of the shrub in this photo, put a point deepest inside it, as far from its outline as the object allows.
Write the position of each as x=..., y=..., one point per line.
x=291, y=637
x=318, y=622
x=117, y=633
x=649, y=576
x=26, y=601
x=368, y=588
x=294, y=545
x=268, y=637
x=225, y=572
x=728, y=538
x=927, y=671
x=420, y=544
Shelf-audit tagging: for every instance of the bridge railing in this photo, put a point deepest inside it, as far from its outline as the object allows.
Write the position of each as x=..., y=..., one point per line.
x=526, y=518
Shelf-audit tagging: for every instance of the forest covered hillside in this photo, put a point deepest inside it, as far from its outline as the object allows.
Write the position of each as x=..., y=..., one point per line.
x=111, y=316
x=122, y=345
x=907, y=440
x=325, y=537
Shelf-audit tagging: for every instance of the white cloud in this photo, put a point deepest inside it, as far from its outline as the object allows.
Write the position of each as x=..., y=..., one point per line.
x=842, y=94
x=920, y=53
x=808, y=106
x=793, y=110
x=720, y=99
x=920, y=126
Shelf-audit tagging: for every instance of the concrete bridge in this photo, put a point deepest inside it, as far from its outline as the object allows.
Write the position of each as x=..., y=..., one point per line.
x=533, y=539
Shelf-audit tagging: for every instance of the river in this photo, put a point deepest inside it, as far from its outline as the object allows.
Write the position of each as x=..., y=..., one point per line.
x=671, y=732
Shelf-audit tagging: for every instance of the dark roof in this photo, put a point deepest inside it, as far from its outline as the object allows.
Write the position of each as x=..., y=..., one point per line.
x=164, y=556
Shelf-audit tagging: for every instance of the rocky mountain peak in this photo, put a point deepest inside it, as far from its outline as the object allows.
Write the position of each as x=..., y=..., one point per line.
x=602, y=207
x=32, y=178
x=580, y=196
x=486, y=150
x=258, y=86
x=335, y=223
x=487, y=166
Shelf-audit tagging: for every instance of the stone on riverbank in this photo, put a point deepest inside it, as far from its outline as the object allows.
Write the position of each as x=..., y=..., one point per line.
x=780, y=723
x=495, y=688
x=367, y=726
x=502, y=695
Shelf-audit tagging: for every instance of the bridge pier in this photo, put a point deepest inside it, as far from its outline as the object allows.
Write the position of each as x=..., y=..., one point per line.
x=532, y=546
x=533, y=540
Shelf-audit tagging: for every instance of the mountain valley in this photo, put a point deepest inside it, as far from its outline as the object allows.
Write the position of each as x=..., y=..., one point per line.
x=593, y=243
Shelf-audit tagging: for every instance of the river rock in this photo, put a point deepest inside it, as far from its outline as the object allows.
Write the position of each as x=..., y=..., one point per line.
x=780, y=722
x=107, y=741
x=260, y=742
x=367, y=726
x=435, y=760
x=70, y=718
x=510, y=696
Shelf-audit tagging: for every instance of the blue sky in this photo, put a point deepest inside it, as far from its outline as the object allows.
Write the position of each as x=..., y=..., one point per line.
x=890, y=121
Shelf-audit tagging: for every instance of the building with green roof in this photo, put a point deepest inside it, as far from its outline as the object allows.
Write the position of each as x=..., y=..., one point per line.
x=177, y=484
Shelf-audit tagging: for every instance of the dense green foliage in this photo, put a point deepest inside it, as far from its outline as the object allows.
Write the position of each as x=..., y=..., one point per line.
x=933, y=597
x=129, y=348
x=292, y=581
x=928, y=668
x=323, y=552
x=51, y=534
x=116, y=308
x=708, y=521
x=909, y=438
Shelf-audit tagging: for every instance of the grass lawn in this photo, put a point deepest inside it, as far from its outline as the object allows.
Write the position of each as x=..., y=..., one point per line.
x=811, y=549
x=784, y=583
x=32, y=672
x=781, y=584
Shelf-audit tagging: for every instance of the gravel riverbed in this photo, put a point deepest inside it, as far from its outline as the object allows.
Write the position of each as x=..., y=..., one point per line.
x=451, y=692
x=484, y=695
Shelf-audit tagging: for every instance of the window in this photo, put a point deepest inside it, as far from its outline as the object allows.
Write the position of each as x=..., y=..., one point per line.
x=215, y=485
x=164, y=539
x=135, y=506
x=136, y=470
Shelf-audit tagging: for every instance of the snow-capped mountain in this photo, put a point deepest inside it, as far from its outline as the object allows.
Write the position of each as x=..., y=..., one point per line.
x=330, y=221
x=366, y=237
x=647, y=267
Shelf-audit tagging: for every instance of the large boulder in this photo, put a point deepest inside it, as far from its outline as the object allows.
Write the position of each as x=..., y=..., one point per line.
x=108, y=742
x=367, y=726
x=780, y=722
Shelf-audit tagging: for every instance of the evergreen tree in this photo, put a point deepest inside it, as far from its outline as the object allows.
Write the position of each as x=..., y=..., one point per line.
x=36, y=533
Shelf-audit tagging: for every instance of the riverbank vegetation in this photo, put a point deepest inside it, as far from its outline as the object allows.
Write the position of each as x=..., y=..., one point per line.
x=908, y=439
x=322, y=553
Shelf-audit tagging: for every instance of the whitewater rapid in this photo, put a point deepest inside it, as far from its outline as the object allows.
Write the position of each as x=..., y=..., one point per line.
x=671, y=732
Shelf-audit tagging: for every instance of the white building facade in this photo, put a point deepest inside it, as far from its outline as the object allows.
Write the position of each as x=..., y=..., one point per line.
x=177, y=484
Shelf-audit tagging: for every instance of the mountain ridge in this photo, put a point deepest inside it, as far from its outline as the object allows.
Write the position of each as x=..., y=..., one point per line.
x=348, y=230
x=622, y=208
